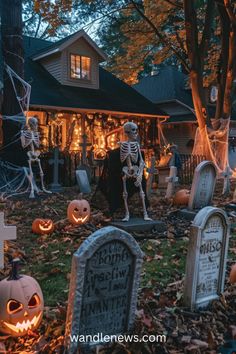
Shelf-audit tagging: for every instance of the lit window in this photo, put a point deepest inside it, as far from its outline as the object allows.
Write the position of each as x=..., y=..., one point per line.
x=80, y=67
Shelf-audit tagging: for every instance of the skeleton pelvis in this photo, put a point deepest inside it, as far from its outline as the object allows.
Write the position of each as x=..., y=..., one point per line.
x=131, y=172
x=33, y=155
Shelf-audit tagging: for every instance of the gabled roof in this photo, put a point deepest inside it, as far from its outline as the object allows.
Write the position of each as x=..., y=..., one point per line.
x=167, y=84
x=62, y=44
x=112, y=95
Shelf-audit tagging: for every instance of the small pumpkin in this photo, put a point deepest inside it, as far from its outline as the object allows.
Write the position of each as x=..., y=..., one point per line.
x=21, y=305
x=78, y=211
x=181, y=197
x=43, y=226
x=232, y=275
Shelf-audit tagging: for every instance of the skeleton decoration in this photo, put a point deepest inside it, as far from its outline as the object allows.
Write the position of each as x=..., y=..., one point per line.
x=130, y=155
x=30, y=140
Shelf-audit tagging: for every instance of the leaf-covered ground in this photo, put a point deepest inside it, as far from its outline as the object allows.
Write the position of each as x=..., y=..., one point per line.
x=160, y=310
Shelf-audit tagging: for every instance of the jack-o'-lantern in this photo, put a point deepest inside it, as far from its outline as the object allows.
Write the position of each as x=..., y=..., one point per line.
x=21, y=305
x=232, y=275
x=181, y=197
x=78, y=211
x=43, y=226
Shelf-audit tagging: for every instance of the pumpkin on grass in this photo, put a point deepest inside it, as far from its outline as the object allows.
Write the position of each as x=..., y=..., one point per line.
x=21, y=305
x=181, y=197
x=78, y=211
x=43, y=226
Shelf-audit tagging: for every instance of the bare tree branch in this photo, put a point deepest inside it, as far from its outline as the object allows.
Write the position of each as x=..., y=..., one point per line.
x=206, y=35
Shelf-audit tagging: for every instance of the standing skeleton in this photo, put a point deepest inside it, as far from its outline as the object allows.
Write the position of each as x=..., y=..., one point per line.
x=30, y=140
x=130, y=153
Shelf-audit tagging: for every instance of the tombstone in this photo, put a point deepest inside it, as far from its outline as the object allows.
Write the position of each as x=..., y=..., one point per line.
x=206, y=258
x=226, y=175
x=103, y=287
x=83, y=181
x=163, y=171
x=6, y=233
x=56, y=186
x=152, y=171
x=202, y=189
x=171, y=182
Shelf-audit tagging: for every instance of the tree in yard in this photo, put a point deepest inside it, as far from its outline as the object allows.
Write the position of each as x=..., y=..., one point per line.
x=12, y=53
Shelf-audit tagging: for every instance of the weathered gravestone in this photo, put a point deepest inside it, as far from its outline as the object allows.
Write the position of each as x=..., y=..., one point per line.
x=6, y=233
x=171, y=182
x=83, y=181
x=55, y=185
x=103, y=287
x=206, y=258
x=202, y=189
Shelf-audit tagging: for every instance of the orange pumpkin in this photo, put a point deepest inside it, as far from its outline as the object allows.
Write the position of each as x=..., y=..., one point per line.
x=21, y=305
x=78, y=211
x=43, y=226
x=181, y=197
x=232, y=275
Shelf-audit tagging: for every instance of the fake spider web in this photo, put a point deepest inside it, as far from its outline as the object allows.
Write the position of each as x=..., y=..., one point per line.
x=215, y=142
x=14, y=180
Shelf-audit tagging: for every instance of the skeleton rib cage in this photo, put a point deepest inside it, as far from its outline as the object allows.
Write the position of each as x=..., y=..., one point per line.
x=129, y=149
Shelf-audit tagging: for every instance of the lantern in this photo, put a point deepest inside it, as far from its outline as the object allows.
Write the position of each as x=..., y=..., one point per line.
x=21, y=305
x=232, y=275
x=42, y=226
x=78, y=211
x=181, y=197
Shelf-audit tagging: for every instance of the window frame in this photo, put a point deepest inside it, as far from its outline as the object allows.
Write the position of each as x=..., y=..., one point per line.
x=81, y=67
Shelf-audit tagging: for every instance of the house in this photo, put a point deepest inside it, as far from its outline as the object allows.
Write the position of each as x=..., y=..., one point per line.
x=78, y=103
x=168, y=88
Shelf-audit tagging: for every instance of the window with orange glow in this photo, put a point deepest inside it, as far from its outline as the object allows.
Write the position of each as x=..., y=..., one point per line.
x=80, y=67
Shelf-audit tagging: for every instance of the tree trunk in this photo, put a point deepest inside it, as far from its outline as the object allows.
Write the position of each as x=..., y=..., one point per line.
x=12, y=51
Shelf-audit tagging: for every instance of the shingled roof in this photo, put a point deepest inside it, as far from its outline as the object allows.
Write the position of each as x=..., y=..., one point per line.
x=112, y=95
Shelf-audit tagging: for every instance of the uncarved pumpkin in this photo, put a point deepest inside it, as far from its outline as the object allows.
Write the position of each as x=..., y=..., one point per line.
x=181, y=197
x=232, y=275
x=21, y=305
x=43, y=226
x=78, y=211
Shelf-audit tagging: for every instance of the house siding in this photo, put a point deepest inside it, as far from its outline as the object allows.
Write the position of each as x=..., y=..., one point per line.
x=53, y=65
x=180, y=134
x=80, y=47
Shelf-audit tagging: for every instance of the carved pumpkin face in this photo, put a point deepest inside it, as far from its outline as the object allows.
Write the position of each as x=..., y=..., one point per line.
x=78, y=211
x=21, y=305
x=181, y=197
x=42, y=226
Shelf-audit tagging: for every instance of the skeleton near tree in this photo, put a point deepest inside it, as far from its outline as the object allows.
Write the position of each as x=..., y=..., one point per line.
x=130, y=154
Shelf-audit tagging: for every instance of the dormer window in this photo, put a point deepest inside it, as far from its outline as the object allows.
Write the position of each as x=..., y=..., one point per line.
x=80, y=67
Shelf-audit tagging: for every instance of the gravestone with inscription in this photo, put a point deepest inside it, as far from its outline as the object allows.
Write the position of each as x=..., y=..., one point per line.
x=202, y=189
x=206, y=258
x=104, y=285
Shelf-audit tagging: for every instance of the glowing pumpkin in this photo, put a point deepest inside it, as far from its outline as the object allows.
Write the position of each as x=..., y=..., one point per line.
x=232, y=275
x=21, y=305
x=78, y=211
x=42, y=226
x=181, y=197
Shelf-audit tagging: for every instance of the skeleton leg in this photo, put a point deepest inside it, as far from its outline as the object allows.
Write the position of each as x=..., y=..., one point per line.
x=125, y=197
x=41, y=177
x=142, y=195
x=31, y=180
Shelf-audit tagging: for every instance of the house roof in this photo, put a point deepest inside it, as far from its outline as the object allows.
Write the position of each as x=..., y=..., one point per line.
x=60, y=45
x=112, y=95
x=166, y=85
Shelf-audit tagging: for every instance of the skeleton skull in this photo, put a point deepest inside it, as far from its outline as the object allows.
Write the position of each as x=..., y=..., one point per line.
x=33, y=123
x=131, y=130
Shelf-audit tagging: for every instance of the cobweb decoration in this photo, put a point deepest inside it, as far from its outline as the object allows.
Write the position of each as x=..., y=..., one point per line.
x=215, y=141
x=14, y=180
x=23, y=100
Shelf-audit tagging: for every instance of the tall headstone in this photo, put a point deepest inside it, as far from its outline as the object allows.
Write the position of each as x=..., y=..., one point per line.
x=56, y=186
x=6, y=233
x=206, y=258
x=226, y=185
x=104, y=286
x=171, y=182
x=83, y=181
x=203, y=185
